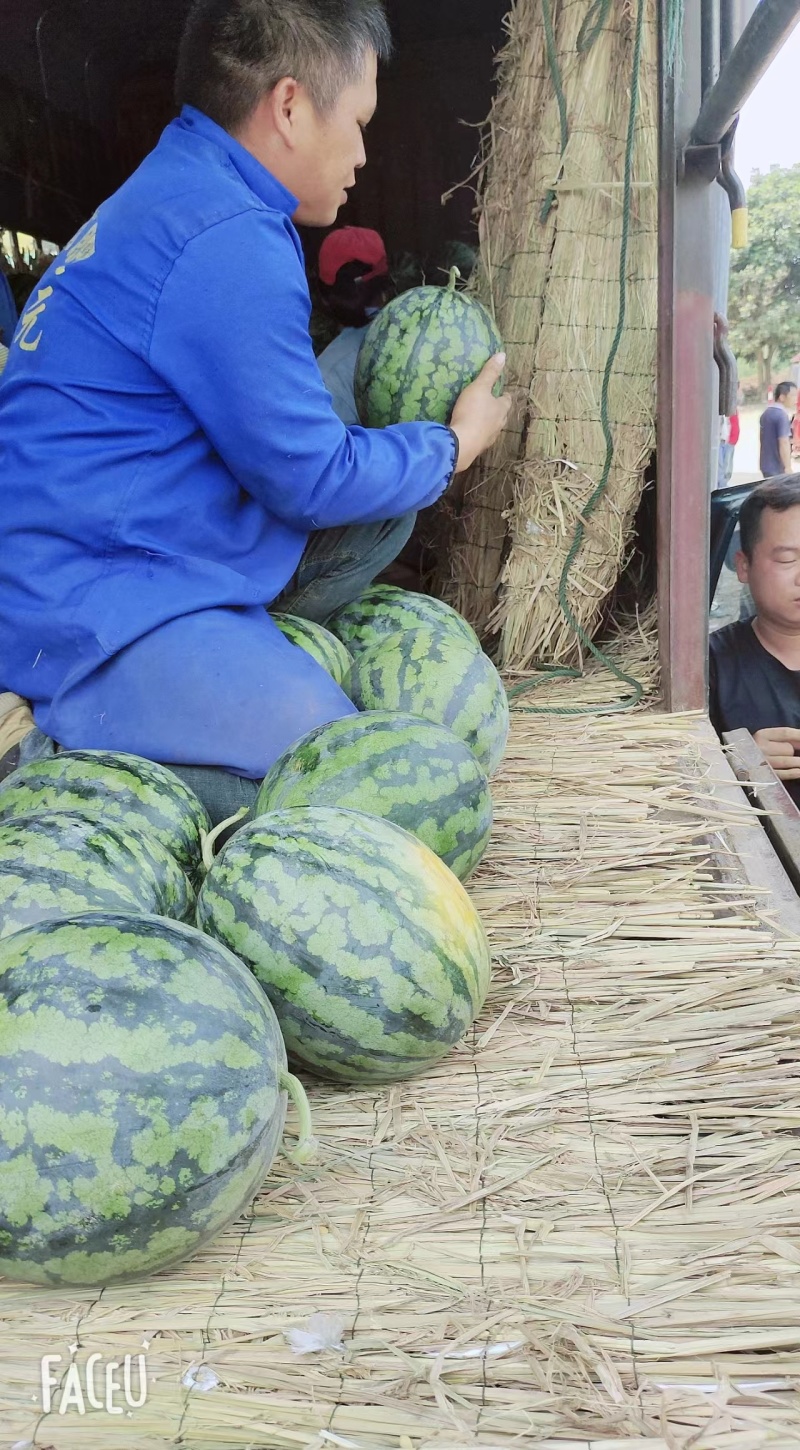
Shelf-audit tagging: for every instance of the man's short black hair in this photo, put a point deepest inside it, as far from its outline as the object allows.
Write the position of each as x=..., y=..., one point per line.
x=781, y=493
x=352, y=297
x=783, y=390
x=233, y=52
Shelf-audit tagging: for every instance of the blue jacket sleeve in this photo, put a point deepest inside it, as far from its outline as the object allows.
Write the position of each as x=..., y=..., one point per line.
x=230, y=337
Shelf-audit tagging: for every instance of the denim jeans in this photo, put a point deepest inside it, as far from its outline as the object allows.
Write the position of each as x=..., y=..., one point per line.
x=337, y=566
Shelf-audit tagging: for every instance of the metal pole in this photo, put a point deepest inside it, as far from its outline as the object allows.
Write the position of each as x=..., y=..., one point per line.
x=665, y=415
x=759, y=43
x=733, y=17
x=727, y=29
x=688, y=388
x=709, y=44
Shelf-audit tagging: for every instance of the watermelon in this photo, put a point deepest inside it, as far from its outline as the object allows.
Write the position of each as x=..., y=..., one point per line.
x=61, y=864
x=140, y=1098
x=28, y=897
x=442, y=678
x=420, y=353
x=118, y=788
x=406, y=770
x=318, y=642
x=384, y=610
x=370, y=950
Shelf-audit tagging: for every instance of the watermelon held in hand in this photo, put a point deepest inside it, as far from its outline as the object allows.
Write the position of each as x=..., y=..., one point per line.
x=320, y=644
x=62, y=864
x=369, y=949
x=420, y=353
x=141, y=1100
x=398, y=767
x=116, y=788
x=437, y=675
x=383, y=610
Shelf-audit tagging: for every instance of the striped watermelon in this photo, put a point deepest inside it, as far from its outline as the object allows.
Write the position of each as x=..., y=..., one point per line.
x=57, y=865
x=140, y=1101
x=318, y=642
x=122, y=789
x=371, y=951
x=406, y=770
x=383, y=610
x=420, y=353
x=442, y=678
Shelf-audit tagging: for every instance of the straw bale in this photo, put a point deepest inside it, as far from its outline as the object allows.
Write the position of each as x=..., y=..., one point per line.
x=553, y=285
x=629, y=649
x=582, y=1229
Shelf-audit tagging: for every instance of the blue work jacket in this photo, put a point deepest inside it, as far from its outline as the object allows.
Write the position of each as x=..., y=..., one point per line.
x=167, y=445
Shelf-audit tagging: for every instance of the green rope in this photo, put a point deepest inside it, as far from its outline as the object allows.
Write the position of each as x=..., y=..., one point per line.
x=629, y=701
x=593, y=25
x=674, y=36
x=555, y=71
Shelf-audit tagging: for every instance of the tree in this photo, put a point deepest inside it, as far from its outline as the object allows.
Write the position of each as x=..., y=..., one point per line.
x=764, y=302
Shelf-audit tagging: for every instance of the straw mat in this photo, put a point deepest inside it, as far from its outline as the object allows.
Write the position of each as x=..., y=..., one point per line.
x=581, y=1230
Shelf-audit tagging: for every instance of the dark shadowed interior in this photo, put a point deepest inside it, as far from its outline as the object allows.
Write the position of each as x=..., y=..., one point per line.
x=86, y=88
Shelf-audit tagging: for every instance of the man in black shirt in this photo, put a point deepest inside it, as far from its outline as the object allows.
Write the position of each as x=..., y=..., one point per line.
x=775, y=426
x=755, y=663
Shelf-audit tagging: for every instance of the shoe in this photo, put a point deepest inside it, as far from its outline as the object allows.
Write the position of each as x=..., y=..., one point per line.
x=16, y=721
x=9, y=762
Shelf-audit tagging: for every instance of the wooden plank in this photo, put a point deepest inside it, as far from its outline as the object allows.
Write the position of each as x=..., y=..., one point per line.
x=782, y=823
x=752, y=858
x=751, y=767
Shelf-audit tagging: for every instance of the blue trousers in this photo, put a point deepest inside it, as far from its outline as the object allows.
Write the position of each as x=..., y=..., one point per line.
x=337, y=566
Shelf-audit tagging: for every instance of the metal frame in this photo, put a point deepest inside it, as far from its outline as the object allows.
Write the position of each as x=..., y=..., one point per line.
x=709, y=45
x=667, y=489
x=766, y=31
x=728, y=45
x=686, y=400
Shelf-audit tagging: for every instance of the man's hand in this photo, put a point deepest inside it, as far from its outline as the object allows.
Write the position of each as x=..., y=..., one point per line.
x=479, y=417
x=778, y=746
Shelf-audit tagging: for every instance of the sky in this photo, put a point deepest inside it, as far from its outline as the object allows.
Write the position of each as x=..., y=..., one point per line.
x=769, y=129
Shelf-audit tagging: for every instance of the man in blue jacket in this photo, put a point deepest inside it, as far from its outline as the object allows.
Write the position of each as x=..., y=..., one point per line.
x=170, y=462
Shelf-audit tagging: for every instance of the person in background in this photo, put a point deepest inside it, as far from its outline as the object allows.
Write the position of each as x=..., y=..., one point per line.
x=776, y=432
x=729, y=434
x=354, y=284
x=755, y=663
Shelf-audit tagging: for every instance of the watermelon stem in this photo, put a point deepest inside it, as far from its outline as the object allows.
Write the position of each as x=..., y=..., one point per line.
x=306, y=1144
x=209, y=838
x=455, y=276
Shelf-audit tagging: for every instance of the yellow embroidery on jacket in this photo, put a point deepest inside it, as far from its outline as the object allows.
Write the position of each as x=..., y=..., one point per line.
x=30, y=319
x=80, y=249
x=83, y=247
